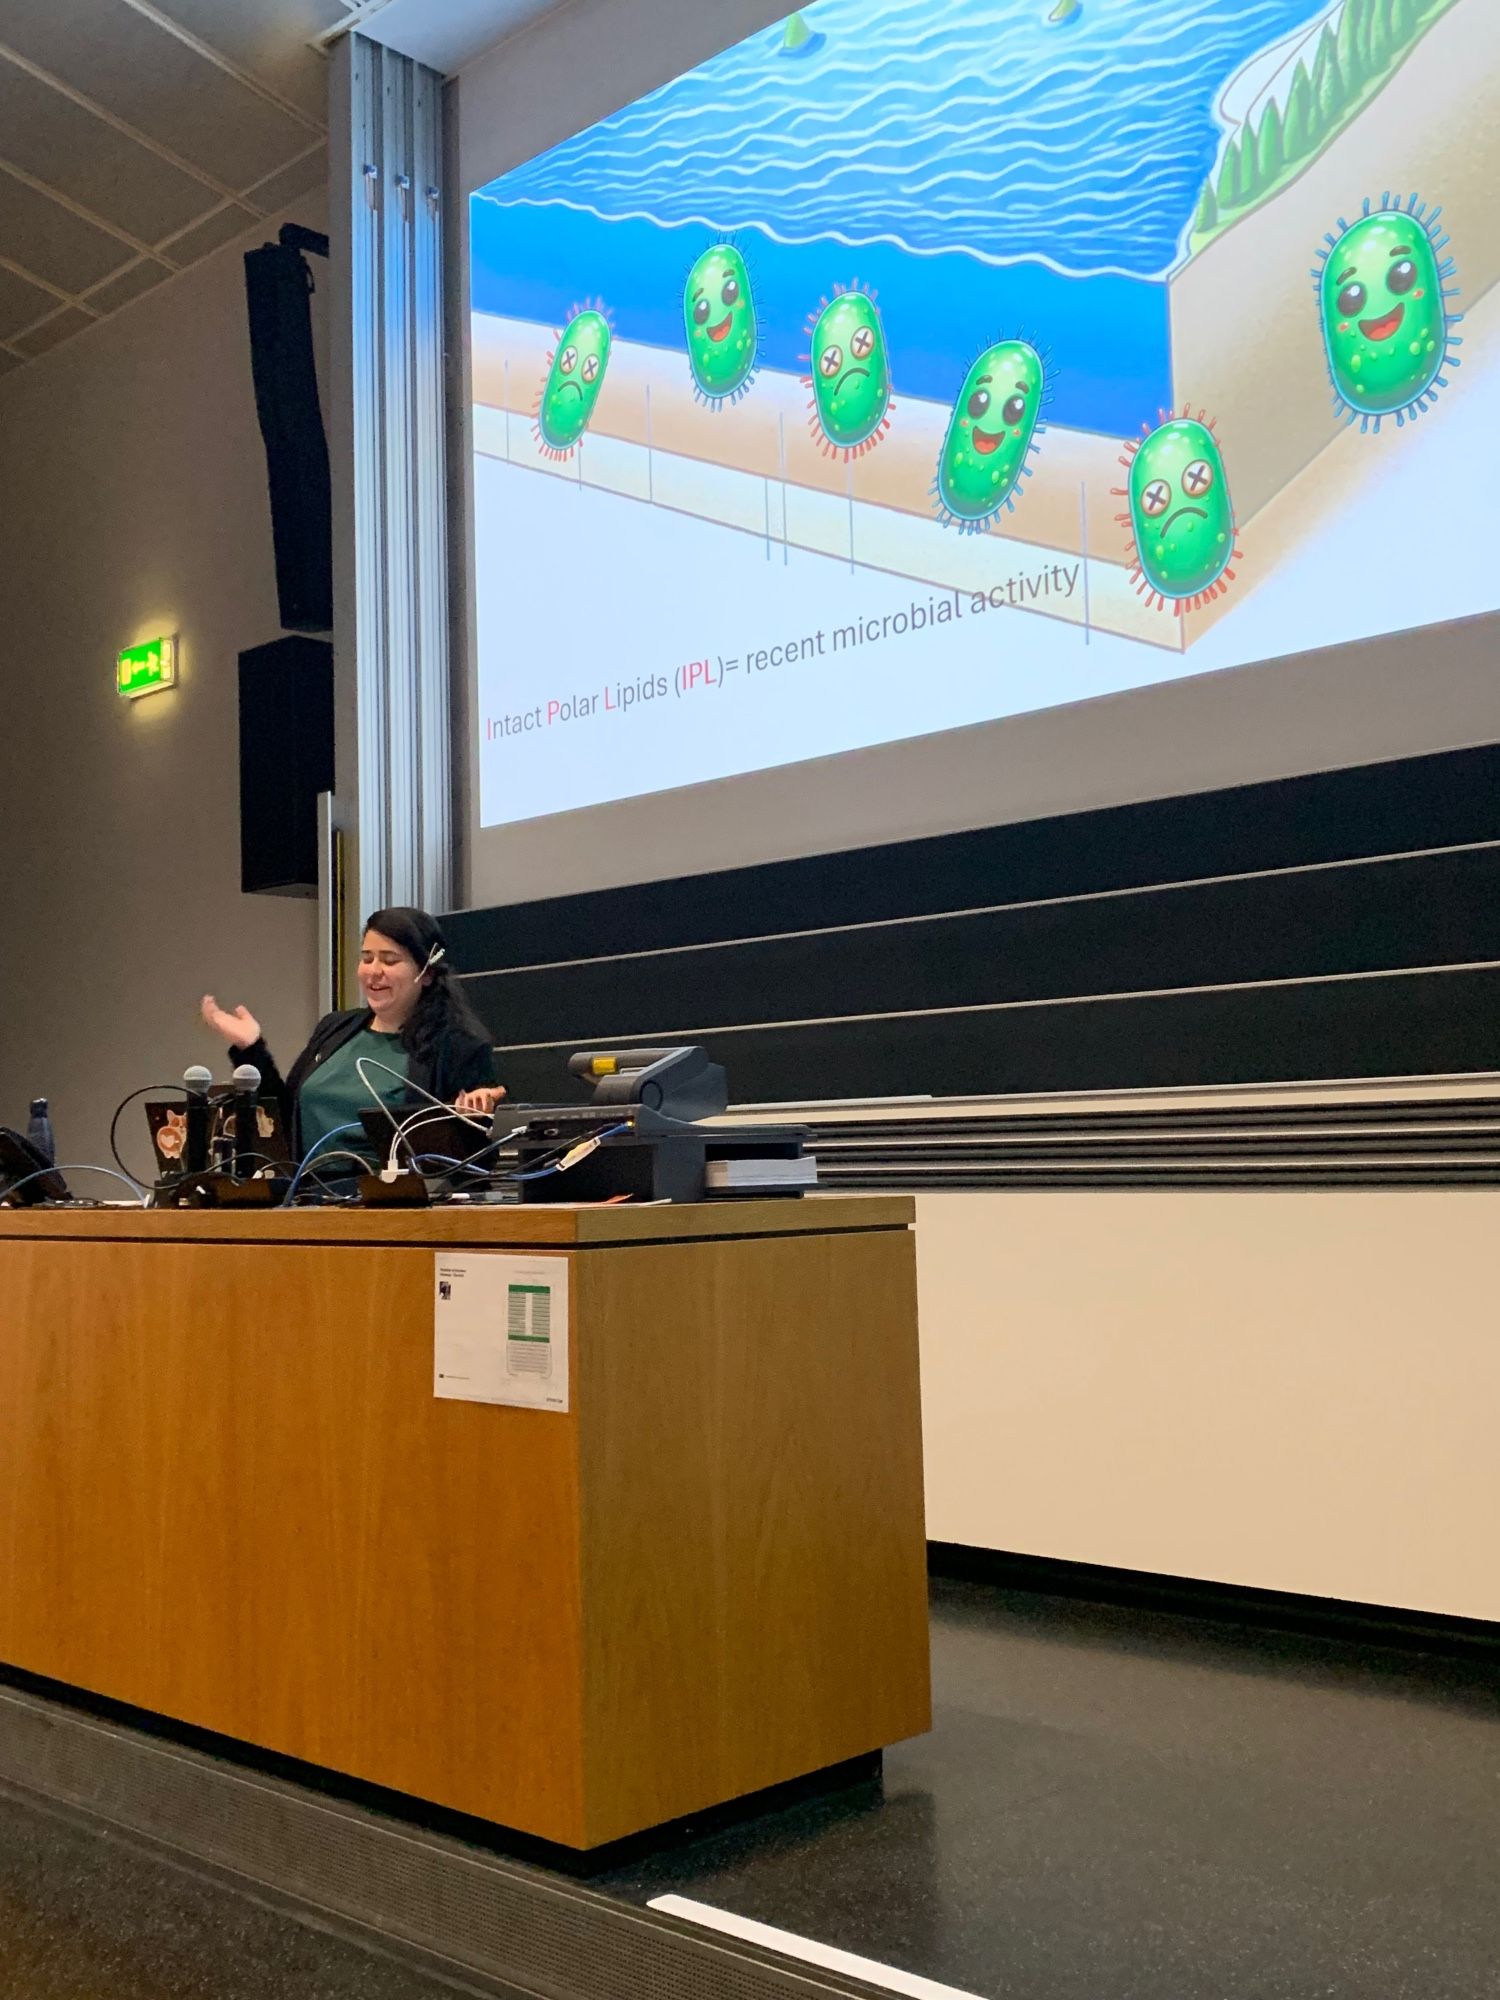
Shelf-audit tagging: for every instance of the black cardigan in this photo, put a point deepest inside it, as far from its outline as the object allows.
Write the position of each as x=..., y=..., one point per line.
x=459, y=1062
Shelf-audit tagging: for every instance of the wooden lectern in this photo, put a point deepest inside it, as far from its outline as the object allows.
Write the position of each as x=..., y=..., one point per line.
x=230, y=1496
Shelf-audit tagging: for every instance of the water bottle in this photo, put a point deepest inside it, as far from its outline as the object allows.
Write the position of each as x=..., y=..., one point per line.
x=39, y=1131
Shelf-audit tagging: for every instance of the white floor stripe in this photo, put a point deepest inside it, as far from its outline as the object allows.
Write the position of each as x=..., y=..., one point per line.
x=809, y=1950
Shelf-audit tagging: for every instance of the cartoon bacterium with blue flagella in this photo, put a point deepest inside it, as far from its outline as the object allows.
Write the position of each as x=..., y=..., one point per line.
x=991, y=436
x=718, y=310
x=1383, y=293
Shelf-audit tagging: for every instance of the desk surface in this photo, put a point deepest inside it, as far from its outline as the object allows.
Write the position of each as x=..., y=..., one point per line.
x=534, y=1225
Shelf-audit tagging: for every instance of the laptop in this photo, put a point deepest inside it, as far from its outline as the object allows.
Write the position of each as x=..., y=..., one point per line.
x=166, y=1119
x=450, y=1137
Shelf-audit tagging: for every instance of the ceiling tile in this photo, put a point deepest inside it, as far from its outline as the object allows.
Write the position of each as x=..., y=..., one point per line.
x=121, y=60
x=270, y=39
x=50, y=240
x=20, y=303
x=212, y=234
x=131, y=283
x=68, y=147
x=68, y=322
x=293, y=182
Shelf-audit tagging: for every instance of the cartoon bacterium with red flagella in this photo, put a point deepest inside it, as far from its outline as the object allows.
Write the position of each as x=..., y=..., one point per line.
x=1180, y=514
x=1383, y=289
x=851, y=375
x=575, y=375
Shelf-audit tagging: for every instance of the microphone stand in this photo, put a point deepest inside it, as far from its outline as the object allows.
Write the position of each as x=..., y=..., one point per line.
x=200, y=1185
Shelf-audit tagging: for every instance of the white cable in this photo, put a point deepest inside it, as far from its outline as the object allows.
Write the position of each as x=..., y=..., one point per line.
x=425, y=1116
x=361, y=1063
x=429, y=1117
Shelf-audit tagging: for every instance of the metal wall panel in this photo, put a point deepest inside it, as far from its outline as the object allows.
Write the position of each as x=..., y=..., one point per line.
x=395, y=793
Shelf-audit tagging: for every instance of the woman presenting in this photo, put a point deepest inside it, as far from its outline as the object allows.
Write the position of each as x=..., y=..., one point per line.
x=416, y=1028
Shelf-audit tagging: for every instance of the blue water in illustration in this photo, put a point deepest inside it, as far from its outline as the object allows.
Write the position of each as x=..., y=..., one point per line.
x=988, y=173
x=1108, y=357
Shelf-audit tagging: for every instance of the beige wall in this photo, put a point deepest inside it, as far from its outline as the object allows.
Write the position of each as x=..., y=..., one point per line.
x=1289, y=1389
x=133, y=503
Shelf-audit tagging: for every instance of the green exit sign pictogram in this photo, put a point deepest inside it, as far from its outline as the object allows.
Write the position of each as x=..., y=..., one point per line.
x=146, y=669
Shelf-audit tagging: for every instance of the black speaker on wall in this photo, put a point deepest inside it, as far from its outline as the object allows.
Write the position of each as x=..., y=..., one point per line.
x=286, y=759
x=278, y=291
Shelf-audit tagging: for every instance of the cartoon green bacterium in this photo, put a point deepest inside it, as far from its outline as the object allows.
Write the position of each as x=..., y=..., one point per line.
x=1382, y=286
x=851, y=375
x=718, y=309
x=991, y=433
x=575, y=375
x=1180, y=517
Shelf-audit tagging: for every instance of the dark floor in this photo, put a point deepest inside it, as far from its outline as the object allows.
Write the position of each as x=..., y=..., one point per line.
x=84, y=1916
x=1122, y=1805
x=1113, y=1805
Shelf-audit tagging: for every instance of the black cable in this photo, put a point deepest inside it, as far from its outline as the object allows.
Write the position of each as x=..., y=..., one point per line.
x=311, y=1173
x=165, y=1180
x=114, y=1125
x=180, y=1175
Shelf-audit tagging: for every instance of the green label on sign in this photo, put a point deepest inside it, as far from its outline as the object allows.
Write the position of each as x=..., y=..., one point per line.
x=144, y=669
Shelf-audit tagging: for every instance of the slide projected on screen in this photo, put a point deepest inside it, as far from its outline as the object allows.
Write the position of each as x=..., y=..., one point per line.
x=917, y=363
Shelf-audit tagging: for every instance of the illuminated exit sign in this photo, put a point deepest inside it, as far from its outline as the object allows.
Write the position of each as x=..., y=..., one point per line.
x=146, y=669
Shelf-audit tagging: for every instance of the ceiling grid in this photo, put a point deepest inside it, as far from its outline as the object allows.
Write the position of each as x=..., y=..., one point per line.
x=137, y=136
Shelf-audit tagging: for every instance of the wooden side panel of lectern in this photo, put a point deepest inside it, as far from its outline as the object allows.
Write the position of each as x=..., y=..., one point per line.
x=754, y=1561
x=229, y=1496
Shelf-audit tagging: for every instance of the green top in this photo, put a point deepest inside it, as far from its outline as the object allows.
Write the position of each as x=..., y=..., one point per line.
x=334, y=1094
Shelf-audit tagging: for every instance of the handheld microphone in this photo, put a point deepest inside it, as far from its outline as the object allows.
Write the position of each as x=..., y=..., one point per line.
x=196, y=1082
x=246, y=1097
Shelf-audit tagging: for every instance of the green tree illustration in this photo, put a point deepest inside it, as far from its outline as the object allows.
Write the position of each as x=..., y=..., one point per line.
x=1328, y=81
x=1298, y=133
x=1207, y=217
x=1270, y=150
x=1249, y=178
x=1229, y=176
x=1380, y=36
x=1351, y=35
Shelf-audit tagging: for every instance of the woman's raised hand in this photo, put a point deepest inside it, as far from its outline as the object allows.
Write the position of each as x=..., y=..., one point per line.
x=239, y=1026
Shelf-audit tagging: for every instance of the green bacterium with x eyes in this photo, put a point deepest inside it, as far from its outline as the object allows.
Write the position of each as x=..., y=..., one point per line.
x=851, y=375
x=1180, y=514
x=575, y=375
x=1383, y=293
x=991, y=434
x=718, y=309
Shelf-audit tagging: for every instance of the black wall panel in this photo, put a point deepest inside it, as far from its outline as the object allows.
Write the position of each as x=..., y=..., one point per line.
x=1055, y=955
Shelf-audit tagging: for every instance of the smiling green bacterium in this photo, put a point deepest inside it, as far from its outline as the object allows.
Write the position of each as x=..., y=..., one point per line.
x=1181, y=517
x=991, y=433
x=1382, y=286
x=718, y=310
x=575, y=375
x=851, y=375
